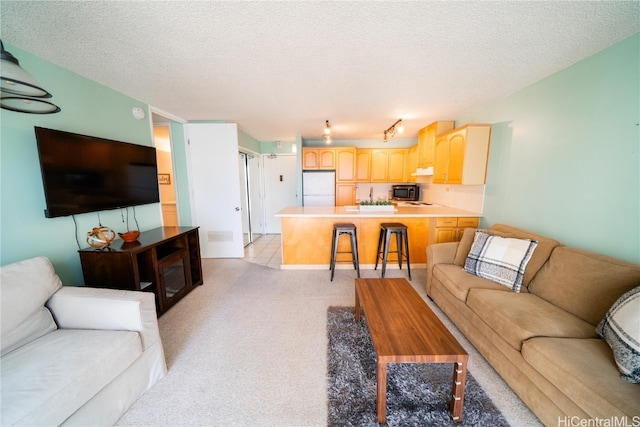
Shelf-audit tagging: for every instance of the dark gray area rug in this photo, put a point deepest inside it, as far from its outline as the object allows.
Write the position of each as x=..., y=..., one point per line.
x=417, y=394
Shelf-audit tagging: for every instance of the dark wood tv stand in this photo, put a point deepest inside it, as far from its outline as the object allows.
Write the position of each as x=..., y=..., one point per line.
x=165, y=261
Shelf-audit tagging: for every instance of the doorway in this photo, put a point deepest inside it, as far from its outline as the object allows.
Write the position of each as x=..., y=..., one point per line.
x=166, y=176
x=250, y=199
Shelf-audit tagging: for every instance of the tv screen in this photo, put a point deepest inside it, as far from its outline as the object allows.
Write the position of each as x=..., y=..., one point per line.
x=83, y=173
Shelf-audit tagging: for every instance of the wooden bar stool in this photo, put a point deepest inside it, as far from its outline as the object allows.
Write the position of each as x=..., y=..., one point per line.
x=386, y=230
x=344, y=228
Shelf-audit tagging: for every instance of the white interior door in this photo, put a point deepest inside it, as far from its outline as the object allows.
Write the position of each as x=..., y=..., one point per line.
x=215, y=190
x=280, y=187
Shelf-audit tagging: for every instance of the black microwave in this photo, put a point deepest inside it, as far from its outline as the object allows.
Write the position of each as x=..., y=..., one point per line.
x=409, y=192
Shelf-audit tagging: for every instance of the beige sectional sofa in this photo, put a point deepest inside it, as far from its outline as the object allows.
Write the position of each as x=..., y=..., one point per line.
x=543, y=340
x=73, y=355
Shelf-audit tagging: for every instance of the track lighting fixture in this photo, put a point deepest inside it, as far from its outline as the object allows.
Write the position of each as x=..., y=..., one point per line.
x=397, y=127
x=327, y=133
x=19, y=91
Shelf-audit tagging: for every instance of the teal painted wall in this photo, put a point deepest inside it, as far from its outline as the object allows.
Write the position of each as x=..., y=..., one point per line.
x=565, y=159
x=272, y=147
x=247, y=141
x=179, y=152
x=87, y=108
x=298, y=145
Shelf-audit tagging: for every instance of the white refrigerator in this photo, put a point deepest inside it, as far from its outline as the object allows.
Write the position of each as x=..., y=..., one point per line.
x=318, y=188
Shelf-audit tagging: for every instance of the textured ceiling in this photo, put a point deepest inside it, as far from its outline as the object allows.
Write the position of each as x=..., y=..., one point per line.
x=279, y=69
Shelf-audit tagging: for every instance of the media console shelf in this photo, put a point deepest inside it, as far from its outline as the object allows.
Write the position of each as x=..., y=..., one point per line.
x=165, y=261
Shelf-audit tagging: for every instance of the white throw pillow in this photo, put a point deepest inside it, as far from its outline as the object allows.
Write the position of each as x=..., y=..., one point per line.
x=620, y=328
x=26, y=286
x=500, y=259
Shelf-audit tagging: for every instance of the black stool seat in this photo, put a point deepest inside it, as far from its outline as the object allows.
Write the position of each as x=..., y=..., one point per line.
x=386, y=230
x=338, y=229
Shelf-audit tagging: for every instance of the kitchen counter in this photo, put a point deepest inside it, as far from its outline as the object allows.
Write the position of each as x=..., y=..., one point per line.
x=399, y=212
x=307, y=233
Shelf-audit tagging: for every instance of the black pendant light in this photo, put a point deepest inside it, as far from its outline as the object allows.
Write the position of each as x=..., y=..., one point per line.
x=19, y=91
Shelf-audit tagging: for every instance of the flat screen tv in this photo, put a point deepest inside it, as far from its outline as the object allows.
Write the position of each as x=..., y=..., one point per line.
x=84, y=173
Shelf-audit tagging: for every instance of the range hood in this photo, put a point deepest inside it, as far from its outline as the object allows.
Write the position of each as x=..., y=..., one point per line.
x=423, y=171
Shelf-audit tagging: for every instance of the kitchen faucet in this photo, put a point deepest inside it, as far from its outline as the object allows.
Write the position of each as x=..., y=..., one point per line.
x=371, y=194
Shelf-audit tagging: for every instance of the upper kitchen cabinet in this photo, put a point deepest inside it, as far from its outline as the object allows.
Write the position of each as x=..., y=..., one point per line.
x=412, y=163
x=345, y=194
x=397, y=171
x=318, y=158
x=427, y=141
x=345, y=164
x=388, y=165
x=461, y=155
x=379, y=165
x=363, y=165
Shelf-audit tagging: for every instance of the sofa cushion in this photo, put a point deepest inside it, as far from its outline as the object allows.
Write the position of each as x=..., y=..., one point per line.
x=539, y=257
x=459, y=282
x=46, y=380
x=620, y=328
x=585, y=371
x=500, y=259
x=25, y=287
x=584, y=283
x=518, y=317
x=464, y=246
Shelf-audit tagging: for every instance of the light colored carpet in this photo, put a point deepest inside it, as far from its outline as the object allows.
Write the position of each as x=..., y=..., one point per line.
x=248, y=348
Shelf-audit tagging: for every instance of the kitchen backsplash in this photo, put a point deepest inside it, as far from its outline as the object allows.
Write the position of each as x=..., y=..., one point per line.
x=379, y=190
x=467, y=197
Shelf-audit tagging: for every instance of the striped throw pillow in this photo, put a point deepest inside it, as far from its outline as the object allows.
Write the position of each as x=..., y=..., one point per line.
x=500, y=259
x=620, y=328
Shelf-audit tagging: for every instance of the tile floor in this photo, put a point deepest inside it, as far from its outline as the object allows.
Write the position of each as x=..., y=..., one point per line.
x=265, y=250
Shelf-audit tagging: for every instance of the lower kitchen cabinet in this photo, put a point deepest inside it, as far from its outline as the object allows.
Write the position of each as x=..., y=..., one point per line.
x=165, y=261
x=450, y=229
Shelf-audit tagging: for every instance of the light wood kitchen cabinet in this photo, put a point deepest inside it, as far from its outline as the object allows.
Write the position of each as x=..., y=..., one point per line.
x=363, y=165
x=461, y=155
x=411, y=163
x=397, y=171
x=345, y=194
x=388, y=165
x=450, y=229
x=441, y=161
x=318, y=158
x=379, y=165
x=345, y=164
x=427, y=141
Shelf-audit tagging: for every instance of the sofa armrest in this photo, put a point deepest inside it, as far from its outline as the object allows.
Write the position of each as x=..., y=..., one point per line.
x=110, y=309
x=439, y=253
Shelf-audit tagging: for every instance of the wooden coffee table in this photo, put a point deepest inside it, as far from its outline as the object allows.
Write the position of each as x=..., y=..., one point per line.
x=405, y=330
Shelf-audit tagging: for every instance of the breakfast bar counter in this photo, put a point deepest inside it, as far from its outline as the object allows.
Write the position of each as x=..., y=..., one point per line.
x=307, y=232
